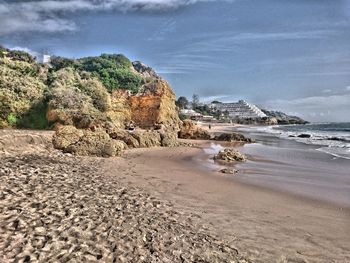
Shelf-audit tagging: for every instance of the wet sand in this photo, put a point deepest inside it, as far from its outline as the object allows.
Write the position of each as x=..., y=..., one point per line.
x=265, y=225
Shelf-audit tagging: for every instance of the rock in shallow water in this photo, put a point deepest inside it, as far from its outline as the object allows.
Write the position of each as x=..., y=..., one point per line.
x=232, y=137
x=230, y=155
x=229, y=171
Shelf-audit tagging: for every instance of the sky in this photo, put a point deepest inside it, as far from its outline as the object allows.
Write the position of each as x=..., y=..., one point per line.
x=289, y=55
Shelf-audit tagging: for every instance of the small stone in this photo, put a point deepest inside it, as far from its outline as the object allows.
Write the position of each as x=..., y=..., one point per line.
x=229, y=171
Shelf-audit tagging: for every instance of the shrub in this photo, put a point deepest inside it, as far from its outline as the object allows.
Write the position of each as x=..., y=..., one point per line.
x=11, y=119
x=114, y=71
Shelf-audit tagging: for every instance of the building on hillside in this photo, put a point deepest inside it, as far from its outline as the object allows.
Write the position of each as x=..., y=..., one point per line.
x=240, y=109
x=44, y=58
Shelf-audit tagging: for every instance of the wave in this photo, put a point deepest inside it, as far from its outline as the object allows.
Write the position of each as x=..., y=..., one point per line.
x=334, y=140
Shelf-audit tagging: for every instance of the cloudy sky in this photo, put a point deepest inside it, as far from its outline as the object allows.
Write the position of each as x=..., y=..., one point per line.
x=290, y=55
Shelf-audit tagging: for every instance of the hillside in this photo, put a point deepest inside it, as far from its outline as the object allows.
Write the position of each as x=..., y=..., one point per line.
x=283, y=118
x=83, y=92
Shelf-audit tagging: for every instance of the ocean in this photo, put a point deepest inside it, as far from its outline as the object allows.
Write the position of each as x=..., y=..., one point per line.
x=333, y=138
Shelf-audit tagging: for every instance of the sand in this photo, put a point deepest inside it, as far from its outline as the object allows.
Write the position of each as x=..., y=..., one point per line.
x=156, y=205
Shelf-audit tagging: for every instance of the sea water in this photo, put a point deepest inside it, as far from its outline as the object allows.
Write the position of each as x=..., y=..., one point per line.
x=333, y=138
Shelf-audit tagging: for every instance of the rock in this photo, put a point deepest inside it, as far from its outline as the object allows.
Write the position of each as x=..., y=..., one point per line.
x=304, y=135
x=124, y=136
x=230, y=155
x=144, y=70
x=169, y=139
x=232, y=137
x=120, y=110
x=155, y=104
x=189, y=130
x=229, y=171
x=65, y=136
x=147, y=138
x=87, y=142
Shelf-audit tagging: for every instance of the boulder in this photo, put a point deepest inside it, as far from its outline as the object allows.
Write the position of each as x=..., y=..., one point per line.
x=87, y=142
x=230, y=155
x=169, y=139
x=232, y=137
x=124, y=136
x=147, y=139
x=304, y=135
x=189, y=130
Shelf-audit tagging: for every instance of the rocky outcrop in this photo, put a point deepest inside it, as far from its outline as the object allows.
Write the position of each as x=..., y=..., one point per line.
x=124, y=136
x=146, y=71
x=189, y=130
x=155, y=104
x=147, y=138
x=230, y=155
x=86, y=142
x=283, y=118
x=120, y=111
x=232, y=137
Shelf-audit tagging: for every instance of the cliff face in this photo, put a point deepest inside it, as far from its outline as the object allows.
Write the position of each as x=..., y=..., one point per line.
x=155, y=104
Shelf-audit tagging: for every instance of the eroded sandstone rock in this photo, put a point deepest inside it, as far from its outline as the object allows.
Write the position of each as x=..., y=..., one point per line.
x=189, y=130
x=232, y=137
x=230, y=155
x=155, y=104
x=87, y=142
x=147, y=139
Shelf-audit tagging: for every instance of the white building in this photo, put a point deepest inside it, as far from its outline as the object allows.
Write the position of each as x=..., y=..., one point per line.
x=46, y=59
x=240, y=109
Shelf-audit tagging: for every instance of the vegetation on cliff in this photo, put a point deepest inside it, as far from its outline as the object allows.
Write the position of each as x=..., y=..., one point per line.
x=79, y=92
x=114, y=71
x=283, y=118
x=22, y=92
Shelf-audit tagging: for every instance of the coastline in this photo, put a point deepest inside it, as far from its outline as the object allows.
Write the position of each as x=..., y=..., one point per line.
x=262, y=224
x=265, y=225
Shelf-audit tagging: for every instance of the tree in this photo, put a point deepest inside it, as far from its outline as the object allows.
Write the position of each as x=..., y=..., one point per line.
x=195, y=101
x=182, y=102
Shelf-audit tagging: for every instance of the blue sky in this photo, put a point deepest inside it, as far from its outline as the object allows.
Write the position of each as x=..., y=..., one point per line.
x=290, y=55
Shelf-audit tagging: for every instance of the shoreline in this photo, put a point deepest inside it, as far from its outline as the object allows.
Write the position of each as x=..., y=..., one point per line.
x=262, y=224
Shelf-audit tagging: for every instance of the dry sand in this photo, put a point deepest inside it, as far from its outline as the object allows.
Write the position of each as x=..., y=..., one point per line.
x=157, y=205
x=61, y=208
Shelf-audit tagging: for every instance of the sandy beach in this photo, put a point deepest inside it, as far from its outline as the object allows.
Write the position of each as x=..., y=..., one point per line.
x=156, y=205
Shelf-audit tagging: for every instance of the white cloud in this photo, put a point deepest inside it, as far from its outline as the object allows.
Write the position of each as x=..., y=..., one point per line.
x=25, y=49
x=47, y=15
x=347, y=88
x=337, y=107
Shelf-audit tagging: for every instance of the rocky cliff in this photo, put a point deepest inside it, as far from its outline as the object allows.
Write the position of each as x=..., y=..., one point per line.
x=94, y=96
x=155, y=104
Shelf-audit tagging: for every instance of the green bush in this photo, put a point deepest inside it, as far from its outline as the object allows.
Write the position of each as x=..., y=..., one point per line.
x=114, y=71
x=11, y=119
x=35, y=117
